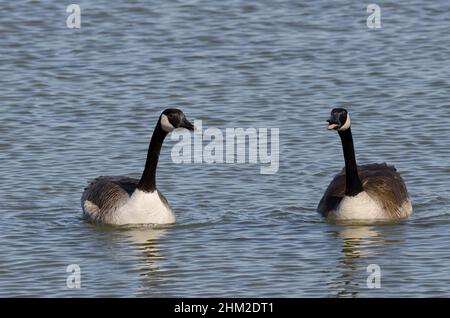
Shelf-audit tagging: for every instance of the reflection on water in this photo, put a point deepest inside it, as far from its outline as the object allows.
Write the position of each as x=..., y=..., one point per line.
x=145, y=239
x=359, y=242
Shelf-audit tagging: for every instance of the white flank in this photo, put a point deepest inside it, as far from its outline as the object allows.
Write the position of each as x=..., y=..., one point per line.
x=143, y=208
x=91, y=209
x=359, y=207
x=406, y=210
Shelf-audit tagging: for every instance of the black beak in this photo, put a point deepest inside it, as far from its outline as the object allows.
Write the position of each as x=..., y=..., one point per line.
x=333, y=122
x=186, y=124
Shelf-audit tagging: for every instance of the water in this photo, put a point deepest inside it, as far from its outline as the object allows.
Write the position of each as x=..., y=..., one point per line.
x=76, y=104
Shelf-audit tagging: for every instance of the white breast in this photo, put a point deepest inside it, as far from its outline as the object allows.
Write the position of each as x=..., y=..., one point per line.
x=360, y=206
x=144, y=208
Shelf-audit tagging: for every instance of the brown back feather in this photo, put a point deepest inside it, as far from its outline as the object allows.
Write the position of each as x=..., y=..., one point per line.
x=108, y=194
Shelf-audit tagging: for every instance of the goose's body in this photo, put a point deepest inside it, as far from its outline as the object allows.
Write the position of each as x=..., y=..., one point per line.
x=384, y=196
x=121, y=200
x=117, y=200
x=367, y=192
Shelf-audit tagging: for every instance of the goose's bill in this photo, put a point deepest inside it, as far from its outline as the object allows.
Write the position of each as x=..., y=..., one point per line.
x=187, y=124
x=332, y=124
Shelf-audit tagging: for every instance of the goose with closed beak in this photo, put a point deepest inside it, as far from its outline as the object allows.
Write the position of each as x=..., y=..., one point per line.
x=122, y=200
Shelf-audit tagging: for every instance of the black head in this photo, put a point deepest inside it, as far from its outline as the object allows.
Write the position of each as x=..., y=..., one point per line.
x=173, y=118
x=339, y=119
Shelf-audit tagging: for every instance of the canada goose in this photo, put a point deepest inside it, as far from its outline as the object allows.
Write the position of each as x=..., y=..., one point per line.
x=122, y=200
x=372, y=191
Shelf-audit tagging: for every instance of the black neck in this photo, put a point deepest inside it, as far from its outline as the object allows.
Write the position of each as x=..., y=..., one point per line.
x=353, y=184
x=148, y=179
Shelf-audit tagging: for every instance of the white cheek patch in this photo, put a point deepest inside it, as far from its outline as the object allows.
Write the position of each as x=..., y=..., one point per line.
x=165, y=124
x=347, y=124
